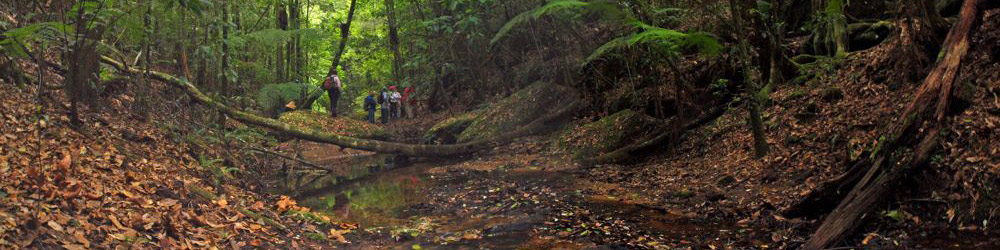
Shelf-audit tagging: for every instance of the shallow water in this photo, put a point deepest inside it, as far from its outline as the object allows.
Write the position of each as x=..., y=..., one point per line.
x=373, y=190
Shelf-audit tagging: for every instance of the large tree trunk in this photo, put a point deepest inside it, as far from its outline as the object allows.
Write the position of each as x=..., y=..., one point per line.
x=535, y=126
x=884, y=175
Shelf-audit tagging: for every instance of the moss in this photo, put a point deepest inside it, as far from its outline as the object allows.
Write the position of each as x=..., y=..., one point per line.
x=516, y=110
x=447, y=131
x=607, y=134
x=340, y=126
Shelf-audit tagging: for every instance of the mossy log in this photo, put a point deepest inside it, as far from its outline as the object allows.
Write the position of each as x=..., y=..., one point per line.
x=535, y=126
x=929, y=105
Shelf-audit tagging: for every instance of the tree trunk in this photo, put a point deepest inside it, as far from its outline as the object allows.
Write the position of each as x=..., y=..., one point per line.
x=390, y=6
x=293, y=45
x=224, y=83
x=143, y=98
x=883, y=176
x=422, y=150
x=282, y=13
x=345, y=32
x=753, y=85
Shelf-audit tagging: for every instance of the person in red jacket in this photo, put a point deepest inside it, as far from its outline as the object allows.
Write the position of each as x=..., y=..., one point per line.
x=407, y=103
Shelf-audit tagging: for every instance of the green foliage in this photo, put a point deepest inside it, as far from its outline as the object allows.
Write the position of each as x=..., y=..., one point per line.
x=667, y=42
x=15, y=41
x=606, y=8
x=275, y=37
x=273, y=97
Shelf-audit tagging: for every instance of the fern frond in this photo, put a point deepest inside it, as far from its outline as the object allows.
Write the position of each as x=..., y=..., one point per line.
x=617, y=43
x=16, y=40
x=607, y=8
x=668, y=41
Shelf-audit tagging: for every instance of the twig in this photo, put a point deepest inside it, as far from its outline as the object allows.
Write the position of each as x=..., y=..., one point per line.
x=309, y=164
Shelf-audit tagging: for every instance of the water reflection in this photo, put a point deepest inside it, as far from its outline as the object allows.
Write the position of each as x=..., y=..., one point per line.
x=371, y=190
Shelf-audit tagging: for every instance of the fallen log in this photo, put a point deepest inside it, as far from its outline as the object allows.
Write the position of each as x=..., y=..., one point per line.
x=922, y=121
x=535, y=126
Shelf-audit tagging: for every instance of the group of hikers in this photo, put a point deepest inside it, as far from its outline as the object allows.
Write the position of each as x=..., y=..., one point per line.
x=392, y=104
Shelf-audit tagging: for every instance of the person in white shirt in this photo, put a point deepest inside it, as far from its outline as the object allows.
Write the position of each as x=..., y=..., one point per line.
x=396, y=102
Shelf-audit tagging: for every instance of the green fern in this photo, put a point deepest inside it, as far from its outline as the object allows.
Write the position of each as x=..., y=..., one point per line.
x=16, y=40
x=606, y=8
x=667, y=41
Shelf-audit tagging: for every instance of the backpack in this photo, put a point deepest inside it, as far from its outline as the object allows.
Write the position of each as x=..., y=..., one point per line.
x=381, y=98
x=327, y=84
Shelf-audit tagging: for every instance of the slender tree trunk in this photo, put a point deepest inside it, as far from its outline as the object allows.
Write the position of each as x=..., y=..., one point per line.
x=143, y=98
x=390, y=6
x=280, y=66
x=293, y=46
x=225, y=83
x=754, y=82
x=345, y=32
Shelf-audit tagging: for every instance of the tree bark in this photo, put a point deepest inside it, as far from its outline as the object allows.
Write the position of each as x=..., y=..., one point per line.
x=282, y=13
x=883, y=175
x=535, y=126
x=390, y=6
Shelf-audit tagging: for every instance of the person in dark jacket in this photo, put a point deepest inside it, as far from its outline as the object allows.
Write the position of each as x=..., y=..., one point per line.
x=332, y=85
x=383, y=99
x=370, y=106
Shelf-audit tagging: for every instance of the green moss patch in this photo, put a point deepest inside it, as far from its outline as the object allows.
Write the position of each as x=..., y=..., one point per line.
x=517, y=110
x=447, y=131
x=340, y=126
x=608, y=134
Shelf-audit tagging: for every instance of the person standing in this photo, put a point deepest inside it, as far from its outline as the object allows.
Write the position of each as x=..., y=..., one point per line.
x=396, y=102
x=407, y=103
x=332, y=86
x=370, y=106
x=383, y=99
